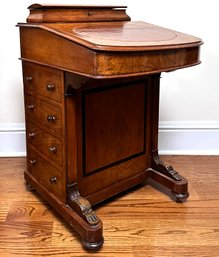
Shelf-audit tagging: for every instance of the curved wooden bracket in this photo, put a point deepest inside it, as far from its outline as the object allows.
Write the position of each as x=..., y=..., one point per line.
x=165, y=175
x=164, y=168
x=81, y=205
x=74, y=82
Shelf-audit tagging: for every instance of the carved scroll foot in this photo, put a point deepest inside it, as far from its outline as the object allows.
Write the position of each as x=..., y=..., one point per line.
x=83, y=208
x=164, y=168
x=165, y=175
x=81, y=205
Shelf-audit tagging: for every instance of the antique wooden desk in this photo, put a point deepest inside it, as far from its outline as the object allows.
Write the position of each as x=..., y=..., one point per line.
x=91, y=83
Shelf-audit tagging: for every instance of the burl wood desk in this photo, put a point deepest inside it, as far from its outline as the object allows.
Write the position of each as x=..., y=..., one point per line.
x=91, y=83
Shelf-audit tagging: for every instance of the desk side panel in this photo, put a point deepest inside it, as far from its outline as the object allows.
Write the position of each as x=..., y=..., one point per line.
x=40, y=46
x=113, y=137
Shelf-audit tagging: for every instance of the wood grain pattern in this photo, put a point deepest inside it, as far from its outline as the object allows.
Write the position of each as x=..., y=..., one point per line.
x=122, y=36
x=76, y=13
x=43, y=82
x=36, y=138
x=44, y=172
x=112, y=64
x=142, y=223
x=120, y=114
x=38, y=111
x=111, y=49
x=43, y=47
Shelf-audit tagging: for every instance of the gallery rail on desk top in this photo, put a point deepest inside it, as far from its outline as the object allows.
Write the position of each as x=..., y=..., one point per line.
x=76, y=13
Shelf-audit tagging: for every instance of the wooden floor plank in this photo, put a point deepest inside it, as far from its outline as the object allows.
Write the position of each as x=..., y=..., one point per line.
x=30, y=210
x=185, y=251
x=143, y=222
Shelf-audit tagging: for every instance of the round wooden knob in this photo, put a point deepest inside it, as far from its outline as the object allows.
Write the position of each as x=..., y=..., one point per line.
x=30, y=107
x=52, y=149
x=29, y=78
x=51, y=118
x=53, y=180
x=50, y=87
x=33, y=162
x=31, y=135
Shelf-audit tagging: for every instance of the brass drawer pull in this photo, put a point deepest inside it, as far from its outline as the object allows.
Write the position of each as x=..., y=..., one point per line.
x=29, y=78
x=50, y=87
x=53, y=180
x=31, y=135
x=51, y=118
x=33, y=162
x=52, y=149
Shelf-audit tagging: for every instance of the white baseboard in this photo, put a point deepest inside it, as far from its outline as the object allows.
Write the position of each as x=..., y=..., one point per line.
x=175, y=138
x=12, y=140
x=189, y=138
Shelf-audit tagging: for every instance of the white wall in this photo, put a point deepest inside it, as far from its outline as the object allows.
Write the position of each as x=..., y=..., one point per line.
x=189, y=109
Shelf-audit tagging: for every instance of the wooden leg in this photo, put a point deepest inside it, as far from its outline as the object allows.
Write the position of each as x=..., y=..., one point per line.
x=160, y=172
x=83, y=208
x=87, y=224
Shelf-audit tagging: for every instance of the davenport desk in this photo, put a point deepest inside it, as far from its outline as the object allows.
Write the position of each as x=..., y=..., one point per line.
x=91, y=84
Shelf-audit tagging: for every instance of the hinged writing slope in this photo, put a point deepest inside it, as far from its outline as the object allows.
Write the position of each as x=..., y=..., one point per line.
x=111, y=49
x=91, y=84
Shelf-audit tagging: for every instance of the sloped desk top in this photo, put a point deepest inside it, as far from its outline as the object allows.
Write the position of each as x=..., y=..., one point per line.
x=112, y=48
x=123, y=36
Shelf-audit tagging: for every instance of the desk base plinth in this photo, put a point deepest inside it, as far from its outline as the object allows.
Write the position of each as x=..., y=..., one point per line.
x=92, y=234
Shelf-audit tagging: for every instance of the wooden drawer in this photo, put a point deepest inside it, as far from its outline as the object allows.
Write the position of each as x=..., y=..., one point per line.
x=46, y=114
x=42, y=81
x=45, y=143
x=46, y=173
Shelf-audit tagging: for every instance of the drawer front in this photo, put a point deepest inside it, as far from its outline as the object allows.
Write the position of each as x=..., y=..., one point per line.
x=43, y=81
x=45, y=143
x=46, y=114
x=46, y=173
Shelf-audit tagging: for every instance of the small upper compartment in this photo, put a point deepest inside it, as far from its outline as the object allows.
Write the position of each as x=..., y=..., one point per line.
x=76, y=13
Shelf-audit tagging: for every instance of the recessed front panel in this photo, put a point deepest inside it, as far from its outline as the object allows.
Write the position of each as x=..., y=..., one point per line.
x=113, y=126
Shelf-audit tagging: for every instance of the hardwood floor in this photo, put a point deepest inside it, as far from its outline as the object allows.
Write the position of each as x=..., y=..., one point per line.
x=141, y=223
